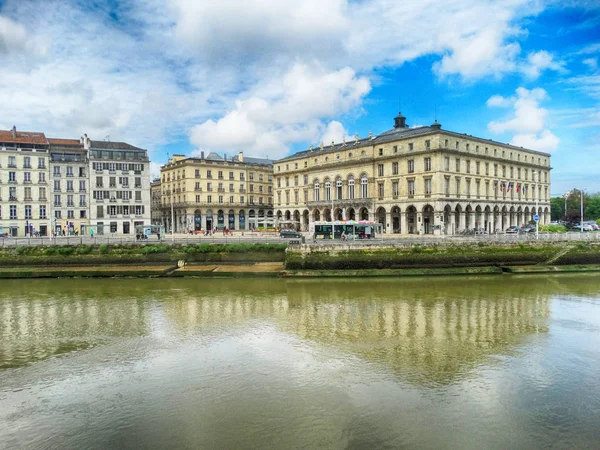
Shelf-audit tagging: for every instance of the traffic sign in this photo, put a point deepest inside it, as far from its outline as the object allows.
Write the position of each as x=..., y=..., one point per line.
x=536, y=217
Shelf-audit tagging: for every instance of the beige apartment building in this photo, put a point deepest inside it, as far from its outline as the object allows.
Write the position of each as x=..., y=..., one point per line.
x=155, y=202
x=217, y=192
x=422, y=180
x=69, y=174
x=24, y=183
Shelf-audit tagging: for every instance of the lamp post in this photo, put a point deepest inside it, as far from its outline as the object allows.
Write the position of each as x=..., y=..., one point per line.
x=581, y=196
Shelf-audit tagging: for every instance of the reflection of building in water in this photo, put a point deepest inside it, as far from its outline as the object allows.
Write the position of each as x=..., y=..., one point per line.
x=408, y=327
x=431, y=333
x=36, y=329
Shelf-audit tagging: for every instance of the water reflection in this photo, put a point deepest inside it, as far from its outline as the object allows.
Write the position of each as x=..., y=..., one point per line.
x=300, y=363
x=43, y=319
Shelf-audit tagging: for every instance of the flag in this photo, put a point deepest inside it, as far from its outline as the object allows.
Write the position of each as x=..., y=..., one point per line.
x=508, y=187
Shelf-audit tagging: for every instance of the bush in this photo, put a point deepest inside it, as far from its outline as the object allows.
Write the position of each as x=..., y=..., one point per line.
x=553, y=228
x=84, y=249
x=65, y=251
x=147, y=249
x=103, y=249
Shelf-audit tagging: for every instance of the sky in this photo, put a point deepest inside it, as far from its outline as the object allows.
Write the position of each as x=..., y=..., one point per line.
x=271, y=77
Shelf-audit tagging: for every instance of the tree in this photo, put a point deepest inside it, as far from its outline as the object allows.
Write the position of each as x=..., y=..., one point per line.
x=592, y=207
x=557, y=208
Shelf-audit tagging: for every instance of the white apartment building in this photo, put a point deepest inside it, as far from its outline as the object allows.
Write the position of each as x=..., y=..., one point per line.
x=120, y=186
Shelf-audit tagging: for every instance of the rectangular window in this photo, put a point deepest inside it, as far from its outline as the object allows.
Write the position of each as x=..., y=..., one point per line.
x=477, y=166
x=427, y=144
x=411, y=166
x=410, y=146
x=27, y=162
x=43, y=212
x=395, y=149
x=380, y=190
x=427, y=163
x=41, y=163
x=395, y=168
x=13, y=212
x=447, y=163
x=28, y=212
x=458, y=164
x=41, y=178
x=468, y=166
x=42, y=194
x=395, y=189
x=411, y=188
x=458, y=187
x=428, y=186
x=12, y=177
x=12, y=161
x=56, y=185
x=380, y=170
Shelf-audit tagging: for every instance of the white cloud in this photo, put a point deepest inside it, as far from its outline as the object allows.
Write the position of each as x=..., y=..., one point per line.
x=14, y=39
x=335, y=132
x=546, y=141
x=154, y=170
x=528, y=116
x=592, y=63
x=252, y=76
x=290, y=112
x=527, y=121
x=537, y=62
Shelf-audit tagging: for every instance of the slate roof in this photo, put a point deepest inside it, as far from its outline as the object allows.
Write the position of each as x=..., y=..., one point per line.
x=252, y=160
x=393, y=135
x=23, y=137
x=109, y=145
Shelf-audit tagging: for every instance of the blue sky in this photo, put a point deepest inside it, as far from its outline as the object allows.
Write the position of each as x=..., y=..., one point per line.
x=272, y=77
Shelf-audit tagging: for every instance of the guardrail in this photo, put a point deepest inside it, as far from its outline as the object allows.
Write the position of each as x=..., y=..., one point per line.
x=274, y=238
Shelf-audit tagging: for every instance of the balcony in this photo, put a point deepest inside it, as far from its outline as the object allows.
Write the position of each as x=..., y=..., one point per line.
x=199, y=189
x=138, y=186
x=28, y=199
x=12, y=166
x=221, y=190
x=56, y=174
x=113, y=200
x=82, y=205
x=57, y=205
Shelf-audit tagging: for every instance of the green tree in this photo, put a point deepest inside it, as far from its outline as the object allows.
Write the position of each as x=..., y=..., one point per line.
x=592, y=207
x=557, y=208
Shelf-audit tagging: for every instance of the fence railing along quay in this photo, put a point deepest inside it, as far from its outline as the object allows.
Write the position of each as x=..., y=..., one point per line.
x=274, y=238
x=247, y=238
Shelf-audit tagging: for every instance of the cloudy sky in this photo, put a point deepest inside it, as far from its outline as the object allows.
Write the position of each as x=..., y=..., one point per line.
x=270, y=77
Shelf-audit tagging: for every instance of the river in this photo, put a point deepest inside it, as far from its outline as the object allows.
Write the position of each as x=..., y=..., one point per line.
x=422, y=363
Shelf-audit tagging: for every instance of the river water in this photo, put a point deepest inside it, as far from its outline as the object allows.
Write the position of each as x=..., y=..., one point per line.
x=422, y=363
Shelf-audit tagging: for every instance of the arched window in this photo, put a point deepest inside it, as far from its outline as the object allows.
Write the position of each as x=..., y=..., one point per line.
x=338, y=184
x=364, y=186
x=351, y=188
x=317, y=195
x=327, y=190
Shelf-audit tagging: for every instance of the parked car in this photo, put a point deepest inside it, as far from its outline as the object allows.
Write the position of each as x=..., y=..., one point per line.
x=527, y=229
x=511, y=230
x=587, y=227
x=289, y=234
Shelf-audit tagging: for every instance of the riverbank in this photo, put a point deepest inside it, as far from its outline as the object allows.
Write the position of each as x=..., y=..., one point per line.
x=275, y=260
x=273, y=270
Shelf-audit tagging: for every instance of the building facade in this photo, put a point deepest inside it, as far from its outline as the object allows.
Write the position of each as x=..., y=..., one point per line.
x=217, y=192
x=422, y=180
x=155, y=205
x=120, y=184
x=69, y=181
x=24, y=208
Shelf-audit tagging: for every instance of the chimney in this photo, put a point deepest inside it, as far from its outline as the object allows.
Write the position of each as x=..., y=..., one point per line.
x=225, y=156
x=202, y=155
x=14, y=132
x=86, y=142
x=241, y=156
x=81, y=140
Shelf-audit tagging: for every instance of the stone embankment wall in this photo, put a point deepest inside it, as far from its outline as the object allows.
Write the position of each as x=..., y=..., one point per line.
x=442, y=255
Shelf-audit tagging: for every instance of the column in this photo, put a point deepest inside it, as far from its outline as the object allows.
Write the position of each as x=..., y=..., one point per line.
x=389, y=225
x=403, y=223
x=419, y=224
x=236, y=220
x=452, y=226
